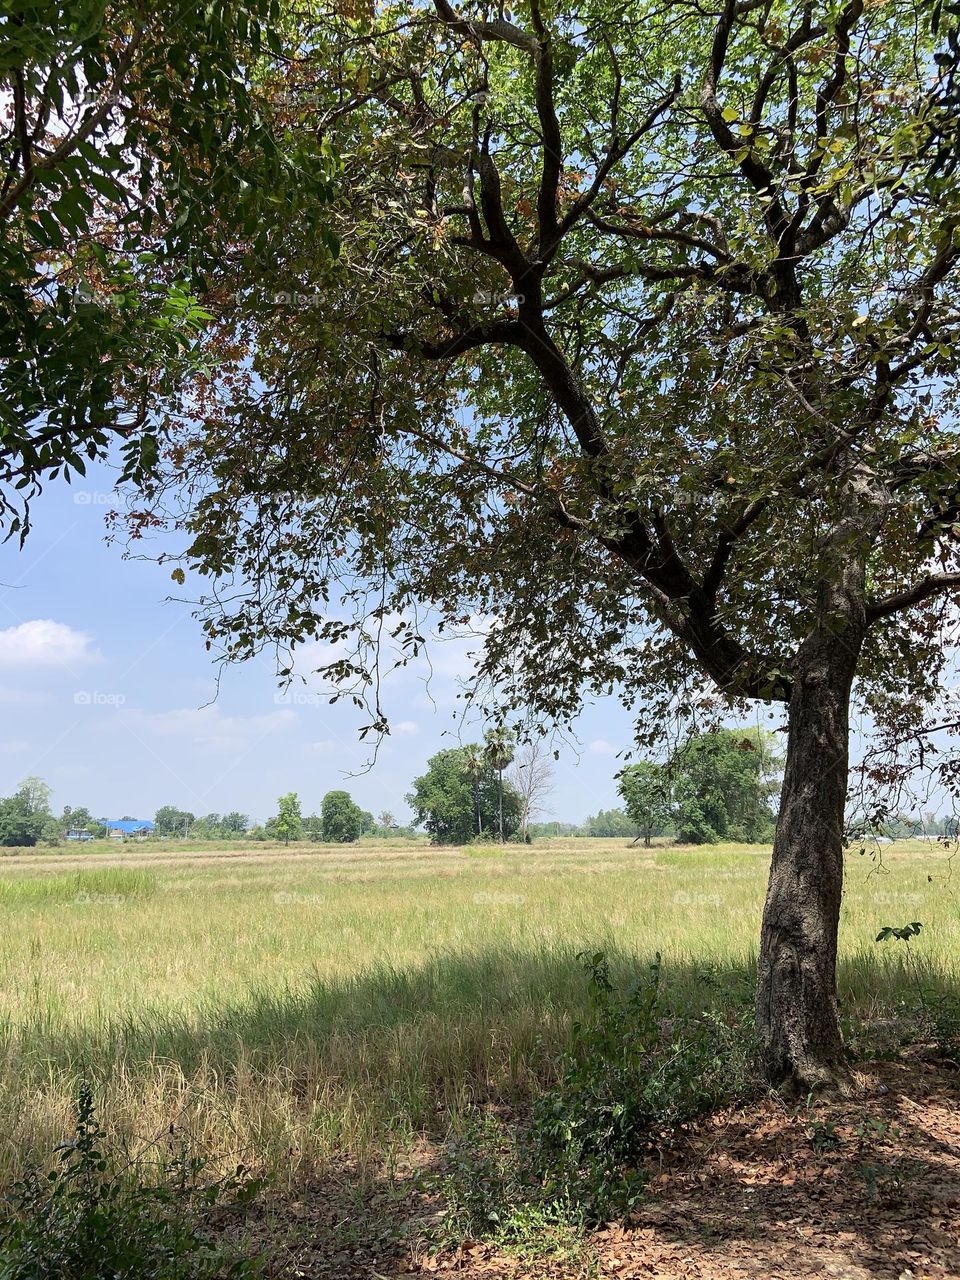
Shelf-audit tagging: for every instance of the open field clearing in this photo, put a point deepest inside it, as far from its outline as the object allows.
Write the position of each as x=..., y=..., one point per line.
x=286, y=1007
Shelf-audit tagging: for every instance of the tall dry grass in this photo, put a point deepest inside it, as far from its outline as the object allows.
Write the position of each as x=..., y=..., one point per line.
x=287, y=1007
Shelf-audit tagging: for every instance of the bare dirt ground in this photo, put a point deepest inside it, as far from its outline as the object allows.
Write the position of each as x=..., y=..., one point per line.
x=862, y=1189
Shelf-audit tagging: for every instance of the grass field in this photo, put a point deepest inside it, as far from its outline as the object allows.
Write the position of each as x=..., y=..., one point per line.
x=287, y=1007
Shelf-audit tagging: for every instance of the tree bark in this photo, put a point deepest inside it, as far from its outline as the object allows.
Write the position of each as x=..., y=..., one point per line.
x=500, y=778
x=797, y=1006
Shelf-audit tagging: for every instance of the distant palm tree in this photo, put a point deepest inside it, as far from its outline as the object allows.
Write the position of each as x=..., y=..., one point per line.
x=475, y=767
x=500, y=745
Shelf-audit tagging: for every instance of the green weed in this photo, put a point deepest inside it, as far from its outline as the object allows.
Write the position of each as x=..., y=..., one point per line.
x=85, y=1222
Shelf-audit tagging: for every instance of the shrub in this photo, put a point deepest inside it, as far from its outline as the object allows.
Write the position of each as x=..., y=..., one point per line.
x=82, y=1222
x=631, y=1082
x=491, y=1190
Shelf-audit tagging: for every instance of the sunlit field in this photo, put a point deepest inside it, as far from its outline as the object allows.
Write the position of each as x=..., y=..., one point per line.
x=288, y=1007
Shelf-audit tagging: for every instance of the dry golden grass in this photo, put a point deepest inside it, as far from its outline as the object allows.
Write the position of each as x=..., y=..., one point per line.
x=286, y=1006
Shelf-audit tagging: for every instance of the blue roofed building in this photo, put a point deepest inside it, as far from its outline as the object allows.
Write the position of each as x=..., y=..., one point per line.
x=128, y=829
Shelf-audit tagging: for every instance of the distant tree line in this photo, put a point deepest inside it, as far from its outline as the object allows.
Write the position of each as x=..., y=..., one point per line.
x=171, y=821
x=340, y=821
x=26, y=819
x=716, y=786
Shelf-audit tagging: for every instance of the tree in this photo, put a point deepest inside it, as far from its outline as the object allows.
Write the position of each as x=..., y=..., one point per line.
x=532, y=780
x=445, y=798
x=642, y=347
x=36, y=794
x=645, y=789
x=18, y=826
x=171, y=821
x=25, y=816
x=313, y=827
x=139, y=143
x=475, y=767
x=342, y=819
x=287, y=825
x=611, y=823
x=234, y=823
x=386, y=820
x=78, y=819
x=367, y=822
x=722, y=785
x=498, y=747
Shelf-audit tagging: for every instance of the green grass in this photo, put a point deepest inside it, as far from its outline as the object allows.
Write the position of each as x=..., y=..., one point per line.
x=99, y=886
x=286, y=1007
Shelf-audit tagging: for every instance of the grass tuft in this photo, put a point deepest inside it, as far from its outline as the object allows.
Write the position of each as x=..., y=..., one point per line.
x=100, y=886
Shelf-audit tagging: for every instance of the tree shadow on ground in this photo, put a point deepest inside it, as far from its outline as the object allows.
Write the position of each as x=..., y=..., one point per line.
x=493, y=984
x=775, y=1190
x=867, y=1188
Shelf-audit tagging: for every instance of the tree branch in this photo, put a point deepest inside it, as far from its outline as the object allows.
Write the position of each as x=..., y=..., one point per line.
x=498, y=30
x=508, y=332
x=758, y=175
x=933, y=584
x=552, y=164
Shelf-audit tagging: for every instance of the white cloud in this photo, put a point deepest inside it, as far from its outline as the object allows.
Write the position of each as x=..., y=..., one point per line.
x=45, y=643
x=13, y=747
x=22, y=698
x=600, y=747
x=408, y=727
x=206, y=727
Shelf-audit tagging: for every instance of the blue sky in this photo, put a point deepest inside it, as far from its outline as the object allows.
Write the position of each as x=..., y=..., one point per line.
x=107, y=693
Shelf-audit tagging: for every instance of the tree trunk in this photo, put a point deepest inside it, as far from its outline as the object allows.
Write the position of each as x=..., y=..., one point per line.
x=797, y=1011
x=500, y=777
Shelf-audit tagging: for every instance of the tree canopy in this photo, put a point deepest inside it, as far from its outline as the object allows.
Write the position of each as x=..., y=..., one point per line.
x=288, y=825
x=25, y=816
x=456, y=804
x=140, y=143
x=343, y=820
x=618, y=301
x=722, y=786
x=642, y=348
x=171, y=821
x=645, y=788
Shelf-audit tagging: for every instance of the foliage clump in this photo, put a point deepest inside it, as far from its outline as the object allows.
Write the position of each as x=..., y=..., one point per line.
x=342, y=819
x=723, y=784
x=463, y=797
x=631, y=1082
x=85, y=1222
